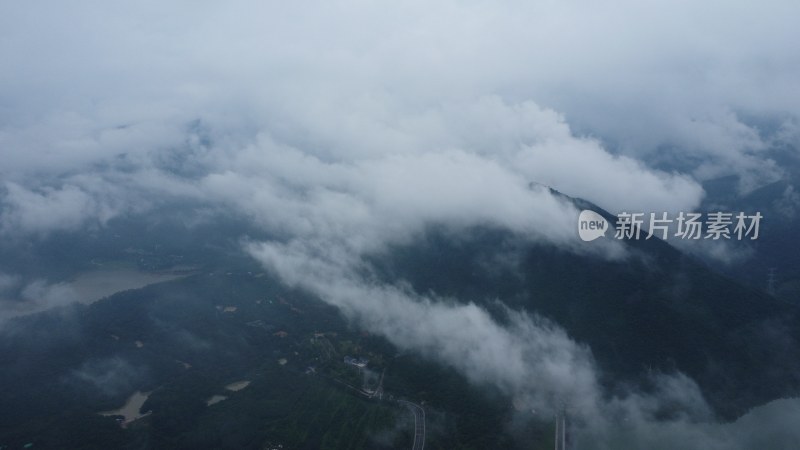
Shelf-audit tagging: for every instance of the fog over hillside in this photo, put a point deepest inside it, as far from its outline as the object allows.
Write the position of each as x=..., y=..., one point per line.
x=333, y=133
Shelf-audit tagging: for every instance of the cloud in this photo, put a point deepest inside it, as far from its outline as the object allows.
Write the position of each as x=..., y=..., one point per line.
x=67, y=208
x=8, y=282
x=674, y=77
x=371, y=87
x=342, y=127
x=110, y=376
x=19, y=296
x=767, y=426
x=529, y=359
x=436, y=165
x=49, y=294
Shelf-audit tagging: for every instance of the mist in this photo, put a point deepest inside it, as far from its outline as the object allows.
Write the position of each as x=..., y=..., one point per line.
x=342, y=128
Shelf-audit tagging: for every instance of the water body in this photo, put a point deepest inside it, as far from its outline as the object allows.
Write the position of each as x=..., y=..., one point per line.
x=238, y=385
x=94, y=285
x=233, y=387
x=130, y=410
x=215, y=399
x=87, y=287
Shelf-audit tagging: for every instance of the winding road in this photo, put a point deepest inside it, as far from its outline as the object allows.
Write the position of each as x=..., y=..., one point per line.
x=419, y=424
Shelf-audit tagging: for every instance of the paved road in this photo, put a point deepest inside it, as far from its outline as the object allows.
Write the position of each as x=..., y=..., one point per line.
x=419, y=424
x=561, y=431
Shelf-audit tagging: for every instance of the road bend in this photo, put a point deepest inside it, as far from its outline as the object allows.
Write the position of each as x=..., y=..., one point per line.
x=419, y=424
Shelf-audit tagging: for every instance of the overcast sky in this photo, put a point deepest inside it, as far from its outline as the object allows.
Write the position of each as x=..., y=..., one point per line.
x=343, y=126
x=548, y=91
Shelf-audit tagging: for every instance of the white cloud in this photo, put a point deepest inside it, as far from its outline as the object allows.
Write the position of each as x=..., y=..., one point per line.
x=8, y=282
x=42, y=295
x=531, y=358
x=528, y=358
x=644, y=77
x=110, y=376
x=342, y=126
x=19, y=297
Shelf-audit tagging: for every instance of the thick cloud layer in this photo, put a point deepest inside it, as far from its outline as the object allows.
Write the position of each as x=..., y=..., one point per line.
x=644, y=77
x=20, y=297
x=341, y=127
x=438, y=165
x=529, y=359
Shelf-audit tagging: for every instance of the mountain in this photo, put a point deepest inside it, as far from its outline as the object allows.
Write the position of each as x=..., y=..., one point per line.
x=657, y=310
x=184, y=341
